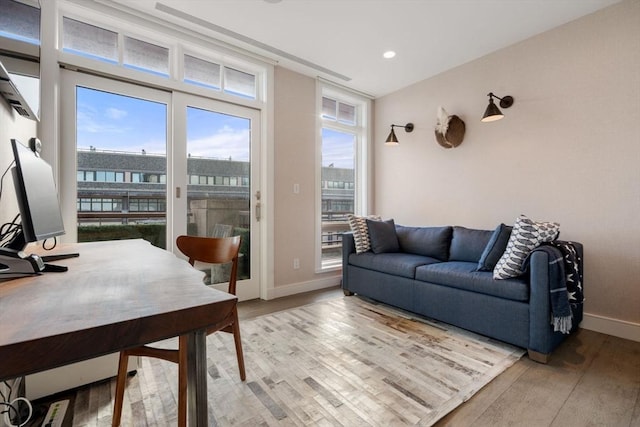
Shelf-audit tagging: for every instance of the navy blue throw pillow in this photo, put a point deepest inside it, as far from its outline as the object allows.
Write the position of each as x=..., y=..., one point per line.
x=382, y=235
x=495, y=248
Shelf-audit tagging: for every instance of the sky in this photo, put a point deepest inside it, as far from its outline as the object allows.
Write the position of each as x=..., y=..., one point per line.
x=109, y=121
x=115, y=122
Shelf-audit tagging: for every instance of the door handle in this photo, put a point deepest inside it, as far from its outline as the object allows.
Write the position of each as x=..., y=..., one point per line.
x=258, y=205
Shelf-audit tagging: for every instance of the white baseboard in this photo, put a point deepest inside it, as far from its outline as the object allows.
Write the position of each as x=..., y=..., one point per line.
x=296, y=288
x=615, y=327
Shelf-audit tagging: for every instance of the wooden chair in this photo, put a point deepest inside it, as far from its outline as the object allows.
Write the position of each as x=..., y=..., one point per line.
x=203, y=249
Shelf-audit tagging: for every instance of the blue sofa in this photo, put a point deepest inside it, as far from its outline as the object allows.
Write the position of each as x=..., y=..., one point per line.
x=434, y=273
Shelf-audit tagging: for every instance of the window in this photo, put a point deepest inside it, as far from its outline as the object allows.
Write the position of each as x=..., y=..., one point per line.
x=153, y=177
x=145, y=56
x=89, y=40
x=97, y=204
x=115, y=47
x=201, y=72
x=343, y=129
x=100, y=176
x=342, y=112
x=147, y=205
x=19, y=21
x=209, y=74
x=239, y=83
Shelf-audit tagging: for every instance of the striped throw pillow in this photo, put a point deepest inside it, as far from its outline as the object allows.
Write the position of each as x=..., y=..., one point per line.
x=525, y=237
x=360, y=231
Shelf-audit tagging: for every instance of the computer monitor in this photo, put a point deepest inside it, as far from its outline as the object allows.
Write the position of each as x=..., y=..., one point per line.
x=37, y=198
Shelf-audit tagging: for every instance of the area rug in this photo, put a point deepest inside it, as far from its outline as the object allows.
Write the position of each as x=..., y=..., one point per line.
x=349, y=362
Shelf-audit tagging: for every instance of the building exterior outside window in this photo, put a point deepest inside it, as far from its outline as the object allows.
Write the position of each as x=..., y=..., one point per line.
x=343, y=136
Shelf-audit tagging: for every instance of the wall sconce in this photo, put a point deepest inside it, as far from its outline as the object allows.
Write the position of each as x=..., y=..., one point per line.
x=493, y=113
x=391, y=139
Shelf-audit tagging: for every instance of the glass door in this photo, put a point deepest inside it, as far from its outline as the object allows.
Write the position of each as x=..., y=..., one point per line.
x=116, y=134
x=216, y=160
x=145, y=163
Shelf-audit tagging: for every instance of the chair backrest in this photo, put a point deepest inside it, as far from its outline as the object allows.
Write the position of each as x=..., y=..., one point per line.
x=212, y=250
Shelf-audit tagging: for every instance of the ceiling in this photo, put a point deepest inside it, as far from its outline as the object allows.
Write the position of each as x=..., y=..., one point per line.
x=343, y=40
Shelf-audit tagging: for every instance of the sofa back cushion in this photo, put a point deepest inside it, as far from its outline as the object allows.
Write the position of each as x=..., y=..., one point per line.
x=468, y=244
x=428, y=241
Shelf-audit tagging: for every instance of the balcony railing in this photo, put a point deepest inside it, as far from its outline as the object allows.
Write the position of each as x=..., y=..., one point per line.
x=333, y=225
x=332, y=241
x=116, y=217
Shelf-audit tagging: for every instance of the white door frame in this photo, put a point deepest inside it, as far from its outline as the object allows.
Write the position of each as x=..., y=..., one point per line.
x=247, y=289
x=68, y=164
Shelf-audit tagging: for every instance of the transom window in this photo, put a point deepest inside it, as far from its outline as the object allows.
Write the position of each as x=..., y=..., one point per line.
x=115, y=47
x=338, y=111
x=19, y=21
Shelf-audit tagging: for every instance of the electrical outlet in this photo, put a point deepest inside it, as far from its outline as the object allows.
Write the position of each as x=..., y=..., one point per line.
x=296, y=263
x=296, y=188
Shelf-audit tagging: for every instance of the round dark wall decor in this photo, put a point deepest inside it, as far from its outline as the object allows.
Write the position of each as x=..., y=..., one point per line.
x=449, y=130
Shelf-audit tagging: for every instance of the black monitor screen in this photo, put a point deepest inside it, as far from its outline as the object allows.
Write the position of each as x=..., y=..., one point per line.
x=37, y=196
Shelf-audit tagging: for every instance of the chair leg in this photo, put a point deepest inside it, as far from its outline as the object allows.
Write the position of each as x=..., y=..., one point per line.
x=121, y=383
x=238, y=342
x=182, y=380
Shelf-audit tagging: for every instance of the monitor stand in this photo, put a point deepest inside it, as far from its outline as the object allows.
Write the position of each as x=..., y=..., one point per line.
x=57, y=257
x=15, y=263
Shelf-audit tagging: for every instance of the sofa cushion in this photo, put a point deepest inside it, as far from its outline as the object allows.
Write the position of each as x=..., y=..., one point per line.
x=495, y=248
x=525, y=237
x=463, y=275
x=428, y=241
x=358, y=225
x=467, y=244
x=382, y=236
x=397, y=264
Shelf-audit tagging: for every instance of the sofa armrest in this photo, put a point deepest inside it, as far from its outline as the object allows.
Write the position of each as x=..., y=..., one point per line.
x=542, y=338
x=348, y=248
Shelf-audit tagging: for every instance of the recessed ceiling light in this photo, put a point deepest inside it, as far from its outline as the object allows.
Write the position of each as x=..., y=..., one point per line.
x=389, y=54
x=273, y=1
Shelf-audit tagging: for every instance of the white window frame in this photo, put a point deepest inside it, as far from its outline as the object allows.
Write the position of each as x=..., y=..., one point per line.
x=363, y=150
x=178, y=42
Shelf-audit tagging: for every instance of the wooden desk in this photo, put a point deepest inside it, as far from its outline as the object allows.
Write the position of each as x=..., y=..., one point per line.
x=116, y=295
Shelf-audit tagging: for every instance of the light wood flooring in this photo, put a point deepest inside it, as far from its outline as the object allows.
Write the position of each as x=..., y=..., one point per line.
x=591, y=380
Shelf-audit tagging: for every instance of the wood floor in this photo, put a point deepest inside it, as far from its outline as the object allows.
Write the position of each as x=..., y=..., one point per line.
x=591, y=380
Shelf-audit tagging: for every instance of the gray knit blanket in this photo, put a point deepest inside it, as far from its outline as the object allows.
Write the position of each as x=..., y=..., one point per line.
x=565, y=279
